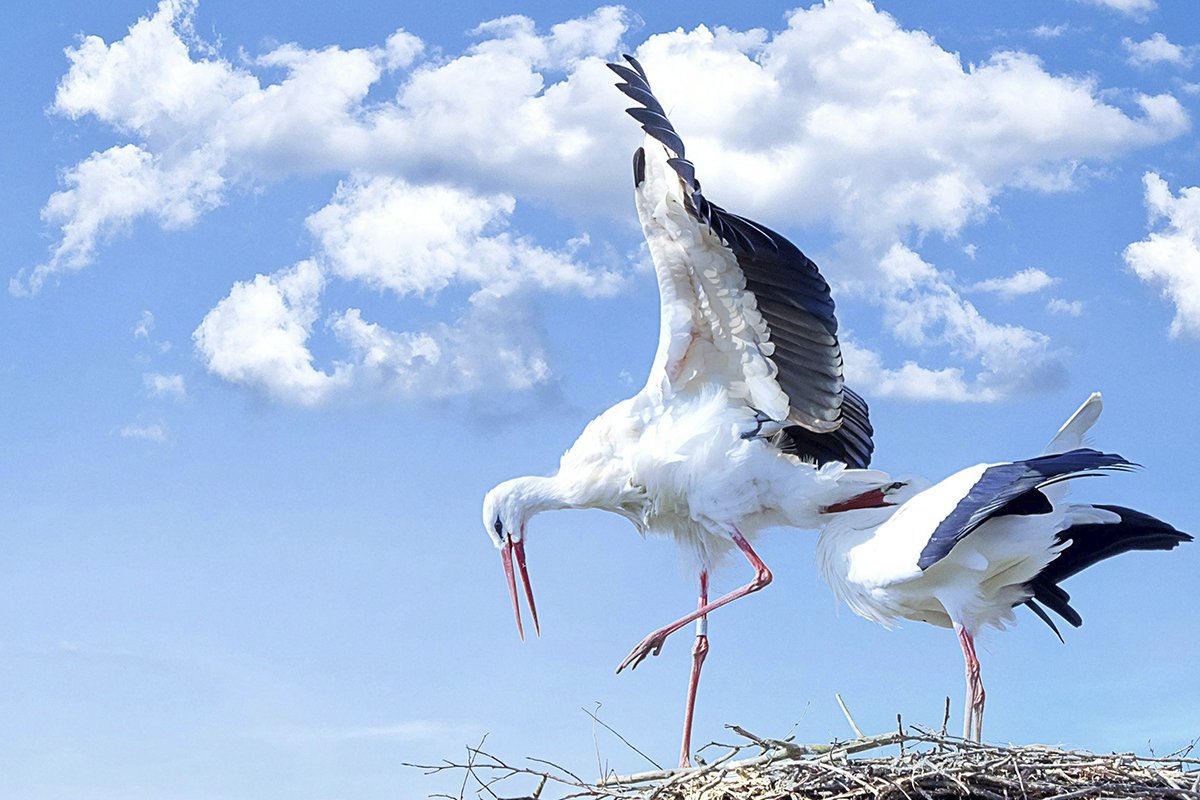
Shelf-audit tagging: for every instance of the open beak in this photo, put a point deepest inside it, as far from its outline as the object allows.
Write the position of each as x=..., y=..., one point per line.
x=506, y=554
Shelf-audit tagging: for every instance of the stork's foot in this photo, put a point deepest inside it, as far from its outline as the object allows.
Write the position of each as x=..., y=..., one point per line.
x=652, y=645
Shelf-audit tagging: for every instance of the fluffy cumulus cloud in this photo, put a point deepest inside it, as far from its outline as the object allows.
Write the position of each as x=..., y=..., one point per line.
x=923, y=310
x=107, y=191
x=847, y=117
x=258, y=336
x=411, y=241
x=492, y=347
x=842, y=118
x=1027, y=281
x=1170, y=257
x=1158, y=49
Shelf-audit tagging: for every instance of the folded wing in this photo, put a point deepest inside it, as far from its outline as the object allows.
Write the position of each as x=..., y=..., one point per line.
x=1013, y=489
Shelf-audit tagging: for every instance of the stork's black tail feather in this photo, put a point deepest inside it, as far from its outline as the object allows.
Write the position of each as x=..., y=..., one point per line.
x=1090, y=544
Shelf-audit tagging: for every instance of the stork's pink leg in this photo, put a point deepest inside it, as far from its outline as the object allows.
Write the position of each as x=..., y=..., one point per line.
x=980, y=696
x=973, y=705
x=699, y=651
x=653, y=643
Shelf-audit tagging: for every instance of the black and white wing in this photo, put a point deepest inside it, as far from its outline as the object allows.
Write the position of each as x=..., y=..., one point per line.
x=1012, y=488
x=741, y=304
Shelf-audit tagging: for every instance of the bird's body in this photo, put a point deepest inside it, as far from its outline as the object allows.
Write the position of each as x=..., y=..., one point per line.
x=743, y=423
x=873, y=567
x=683, y=466
x=965, y=552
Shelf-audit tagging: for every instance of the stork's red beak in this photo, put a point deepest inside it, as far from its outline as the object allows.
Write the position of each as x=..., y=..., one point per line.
x=506, y=554
x=871, y=499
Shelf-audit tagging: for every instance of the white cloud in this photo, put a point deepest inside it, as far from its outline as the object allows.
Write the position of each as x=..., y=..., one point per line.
x=1057, y=305
x=159, y=385
x=1170, y=257
x=401, y=49
x=923, y=311
x=865, y=370
x=970, y=250
x=1138, y=9
x=1158, y=49
x=151, y=432
x=108, y=191
x=202, y=123
x=1027, y=281
x=494, y=346
x=848, y=117
x=411, y=239
x=257, y=336
x=1045, y=31
x=144, y=326
x=843, y=117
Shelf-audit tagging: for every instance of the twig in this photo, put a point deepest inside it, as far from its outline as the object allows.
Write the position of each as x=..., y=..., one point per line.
x=1020, y=778
x=849, y=718
x=619, y=736
x=470, y=761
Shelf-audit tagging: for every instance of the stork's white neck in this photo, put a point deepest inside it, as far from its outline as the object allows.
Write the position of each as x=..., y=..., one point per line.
x=535, y=494
x=521, y=498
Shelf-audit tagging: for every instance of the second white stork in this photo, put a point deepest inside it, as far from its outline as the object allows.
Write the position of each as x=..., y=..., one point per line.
x=965, y=552
x=743, y=423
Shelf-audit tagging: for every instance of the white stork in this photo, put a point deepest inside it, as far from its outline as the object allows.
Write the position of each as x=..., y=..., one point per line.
x=743, y=423
x=965, y=552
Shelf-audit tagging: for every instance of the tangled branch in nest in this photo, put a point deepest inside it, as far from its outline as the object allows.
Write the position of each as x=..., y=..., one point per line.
x=930, y=766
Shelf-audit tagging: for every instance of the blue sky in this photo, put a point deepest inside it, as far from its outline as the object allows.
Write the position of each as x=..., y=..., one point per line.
x=289, y=290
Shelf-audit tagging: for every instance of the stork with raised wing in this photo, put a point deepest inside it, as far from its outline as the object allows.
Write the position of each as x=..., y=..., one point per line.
x=965, y=552
x=743, y=423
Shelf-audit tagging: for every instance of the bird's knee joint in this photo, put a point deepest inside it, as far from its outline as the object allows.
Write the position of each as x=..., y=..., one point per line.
x=762, y=577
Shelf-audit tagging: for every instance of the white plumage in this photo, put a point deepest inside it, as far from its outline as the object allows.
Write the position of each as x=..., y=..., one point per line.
x=965, y=552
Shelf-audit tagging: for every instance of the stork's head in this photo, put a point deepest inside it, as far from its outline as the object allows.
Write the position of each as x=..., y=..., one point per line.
x=506, y=510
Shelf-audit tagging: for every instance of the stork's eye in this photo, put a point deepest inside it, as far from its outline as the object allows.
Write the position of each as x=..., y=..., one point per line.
x=498, y=527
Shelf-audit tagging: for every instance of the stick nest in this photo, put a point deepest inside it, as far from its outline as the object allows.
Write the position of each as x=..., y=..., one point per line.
x=927, y=766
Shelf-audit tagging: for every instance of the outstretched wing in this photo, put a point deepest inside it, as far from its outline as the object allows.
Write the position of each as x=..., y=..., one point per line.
x=755, y=288
x=1013, y=489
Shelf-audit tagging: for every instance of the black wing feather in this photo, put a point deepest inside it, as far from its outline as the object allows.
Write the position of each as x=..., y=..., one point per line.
x=1091, y=543
x=793, y=298
x=1001, y=484
x=851, y=444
